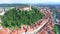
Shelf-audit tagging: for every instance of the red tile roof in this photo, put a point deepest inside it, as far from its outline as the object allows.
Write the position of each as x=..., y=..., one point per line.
x=14, y=32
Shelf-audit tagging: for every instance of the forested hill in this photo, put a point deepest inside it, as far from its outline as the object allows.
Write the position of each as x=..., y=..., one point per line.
x=15, y=18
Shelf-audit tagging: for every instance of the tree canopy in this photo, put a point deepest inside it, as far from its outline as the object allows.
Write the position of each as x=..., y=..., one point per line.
x=55, y=28
x=15, y=18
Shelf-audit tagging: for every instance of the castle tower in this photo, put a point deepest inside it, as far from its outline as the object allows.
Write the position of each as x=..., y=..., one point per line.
x=30, y=6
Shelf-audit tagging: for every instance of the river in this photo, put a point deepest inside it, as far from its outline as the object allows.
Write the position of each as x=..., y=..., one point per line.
x=54, y=19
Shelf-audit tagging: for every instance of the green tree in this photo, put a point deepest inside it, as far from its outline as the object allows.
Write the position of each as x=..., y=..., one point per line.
x=15, y=18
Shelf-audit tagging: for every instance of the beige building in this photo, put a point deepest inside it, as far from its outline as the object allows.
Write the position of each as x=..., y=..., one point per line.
x=2, y=11
x=23, y=8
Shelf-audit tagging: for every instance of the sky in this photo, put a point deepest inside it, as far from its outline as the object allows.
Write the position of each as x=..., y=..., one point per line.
x=31, y=1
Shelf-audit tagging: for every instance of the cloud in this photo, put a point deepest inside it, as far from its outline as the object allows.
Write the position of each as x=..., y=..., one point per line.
x=29, y=1
x=8, y=1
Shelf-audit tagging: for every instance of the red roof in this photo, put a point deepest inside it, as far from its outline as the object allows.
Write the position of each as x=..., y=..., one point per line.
x=14, y=32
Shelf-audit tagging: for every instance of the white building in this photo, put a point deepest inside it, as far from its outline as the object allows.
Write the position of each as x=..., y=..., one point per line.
x=2, y=11
x=23, y=8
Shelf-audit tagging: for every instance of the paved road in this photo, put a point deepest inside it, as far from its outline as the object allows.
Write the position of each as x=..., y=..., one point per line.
x=46, y=20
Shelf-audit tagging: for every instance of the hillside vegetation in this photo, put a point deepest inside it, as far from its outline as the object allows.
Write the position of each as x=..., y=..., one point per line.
x=15, y=18
x=55, y=28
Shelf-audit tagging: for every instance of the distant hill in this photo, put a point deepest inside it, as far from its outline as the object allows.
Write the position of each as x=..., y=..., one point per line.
x=44, y=5
x=47, y=5
x=39, y=5
x=12, y=5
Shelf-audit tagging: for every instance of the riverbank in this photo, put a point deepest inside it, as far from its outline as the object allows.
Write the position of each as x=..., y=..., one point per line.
x=56, y=28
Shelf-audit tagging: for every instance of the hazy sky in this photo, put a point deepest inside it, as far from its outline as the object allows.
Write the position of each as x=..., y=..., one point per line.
x=31, y=1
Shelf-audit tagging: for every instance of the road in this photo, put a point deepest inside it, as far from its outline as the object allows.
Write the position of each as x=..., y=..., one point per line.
x=47, y=19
